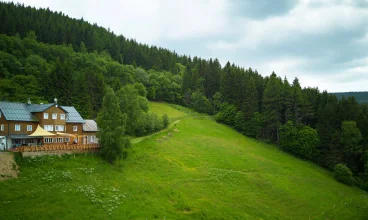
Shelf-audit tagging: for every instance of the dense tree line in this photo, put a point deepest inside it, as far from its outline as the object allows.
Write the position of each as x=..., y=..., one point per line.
x=361, y=97
x=57, y=28
x=77, y=61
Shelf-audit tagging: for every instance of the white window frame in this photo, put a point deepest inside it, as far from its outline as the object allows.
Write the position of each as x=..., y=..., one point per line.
x=15, y=127
x=75, y=128
x=59, y=140
x=48, y=127
x=54, y=116
x=29, y=127
x=92, y=139
x=67, y=139
x=57, y=127
x=2, y=127
x=62, y=116
x=48, y=140
x=45, y=115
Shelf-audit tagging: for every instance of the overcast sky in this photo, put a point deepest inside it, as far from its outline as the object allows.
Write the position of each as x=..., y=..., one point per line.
x=322, y=42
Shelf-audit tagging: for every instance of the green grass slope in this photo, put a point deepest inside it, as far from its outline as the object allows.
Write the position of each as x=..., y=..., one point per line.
x=173, y=111
x=204, y=171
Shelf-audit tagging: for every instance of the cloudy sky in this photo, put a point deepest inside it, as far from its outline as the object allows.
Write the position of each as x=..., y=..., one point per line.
x=322, y=42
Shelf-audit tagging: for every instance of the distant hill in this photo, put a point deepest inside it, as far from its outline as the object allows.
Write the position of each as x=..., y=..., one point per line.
x=361, y=97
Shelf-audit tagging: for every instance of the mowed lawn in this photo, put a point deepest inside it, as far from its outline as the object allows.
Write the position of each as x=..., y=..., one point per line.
x=204, y=171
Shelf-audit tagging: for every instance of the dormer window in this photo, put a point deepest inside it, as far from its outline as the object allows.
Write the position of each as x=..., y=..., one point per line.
x=54, y=115
x=62, y=116
x=45, y=115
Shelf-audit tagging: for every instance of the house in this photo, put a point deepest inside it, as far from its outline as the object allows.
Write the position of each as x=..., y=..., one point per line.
x=27, y=124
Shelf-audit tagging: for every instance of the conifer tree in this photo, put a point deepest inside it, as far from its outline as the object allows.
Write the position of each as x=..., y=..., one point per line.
x=272, y=107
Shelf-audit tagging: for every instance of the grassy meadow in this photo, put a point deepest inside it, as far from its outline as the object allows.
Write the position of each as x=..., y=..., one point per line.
x=204, y=170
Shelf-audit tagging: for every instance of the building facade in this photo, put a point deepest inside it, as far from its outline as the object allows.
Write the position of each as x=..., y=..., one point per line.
x=19, y=121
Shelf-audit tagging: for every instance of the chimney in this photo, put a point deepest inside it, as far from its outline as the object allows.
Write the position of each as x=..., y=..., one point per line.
x=29, y=101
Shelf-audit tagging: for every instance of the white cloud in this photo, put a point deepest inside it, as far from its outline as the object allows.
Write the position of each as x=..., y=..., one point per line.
x=304, y=19
x=149, y=21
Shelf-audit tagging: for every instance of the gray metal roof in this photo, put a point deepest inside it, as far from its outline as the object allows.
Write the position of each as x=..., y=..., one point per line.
x=73, y=115
x=90, y=125
x=39, y=107
x=13, y=111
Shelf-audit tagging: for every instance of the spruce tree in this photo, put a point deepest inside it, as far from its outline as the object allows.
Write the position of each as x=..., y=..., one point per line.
x=272, y=104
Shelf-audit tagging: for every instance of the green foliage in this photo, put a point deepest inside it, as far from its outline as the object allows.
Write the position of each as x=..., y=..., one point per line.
x=350, y=138
x=148, y=123
x=200, y=103
x=165, y=120
x=302, y=142
x=254, y=127
x=129, y=105
x=272, y=105
x=343, y=174
x=227, y=114
x=239, y=121
x=143, y=103
x=111, y=122
x=308, y=142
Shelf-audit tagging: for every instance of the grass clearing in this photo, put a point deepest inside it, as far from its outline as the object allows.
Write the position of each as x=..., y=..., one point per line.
x=203, y=171
x=161, y=108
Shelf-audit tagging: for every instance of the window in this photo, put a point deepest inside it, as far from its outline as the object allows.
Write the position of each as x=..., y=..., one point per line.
x=67, y=139
x=45, y=115
x=48, y=127
x=62, y=116
x=48, y=140
x=29, y=127
x=59, y=140
x=2, y=128
x=59, y=127
x=54, y=115
x=92, y=139
x=0, y=114
x=75, y=128
x=17, y=128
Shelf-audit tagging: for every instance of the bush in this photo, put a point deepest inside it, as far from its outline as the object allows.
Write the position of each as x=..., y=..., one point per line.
x=343, y=174
x=148, y=123
x=165, y=120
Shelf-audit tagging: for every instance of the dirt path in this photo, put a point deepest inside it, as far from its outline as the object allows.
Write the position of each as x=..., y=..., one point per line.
x=8, y=167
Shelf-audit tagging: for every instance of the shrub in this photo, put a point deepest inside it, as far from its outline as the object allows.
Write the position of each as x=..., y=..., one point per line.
x=343, y=174
x=165, y=120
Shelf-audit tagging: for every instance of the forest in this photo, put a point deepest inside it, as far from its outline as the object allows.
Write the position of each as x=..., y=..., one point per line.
x=46, y=54
x=361, y=97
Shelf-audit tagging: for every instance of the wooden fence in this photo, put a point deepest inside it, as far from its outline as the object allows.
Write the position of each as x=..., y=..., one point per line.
x=54, y=147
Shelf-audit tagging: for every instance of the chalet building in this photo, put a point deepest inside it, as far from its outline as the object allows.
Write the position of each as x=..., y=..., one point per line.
x=27, y=124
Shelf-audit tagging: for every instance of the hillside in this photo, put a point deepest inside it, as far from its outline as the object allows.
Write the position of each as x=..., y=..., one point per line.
x=204, y=171
x=361, y=97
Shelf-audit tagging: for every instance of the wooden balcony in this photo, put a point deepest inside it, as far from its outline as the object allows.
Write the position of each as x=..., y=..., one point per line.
x=58, y=147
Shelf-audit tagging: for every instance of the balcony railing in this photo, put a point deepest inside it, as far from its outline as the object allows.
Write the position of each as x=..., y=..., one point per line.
x=55, y=147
